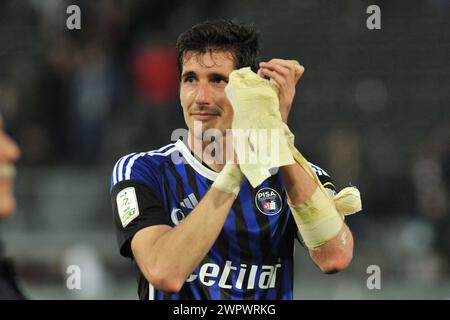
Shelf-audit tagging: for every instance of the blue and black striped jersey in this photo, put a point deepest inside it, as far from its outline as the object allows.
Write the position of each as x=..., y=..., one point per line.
x=253, y=256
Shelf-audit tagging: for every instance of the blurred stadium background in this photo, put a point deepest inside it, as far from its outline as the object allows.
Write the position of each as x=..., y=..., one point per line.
x=372, y=109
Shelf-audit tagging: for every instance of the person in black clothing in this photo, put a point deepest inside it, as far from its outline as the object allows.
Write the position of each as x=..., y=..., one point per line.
x=9, y=152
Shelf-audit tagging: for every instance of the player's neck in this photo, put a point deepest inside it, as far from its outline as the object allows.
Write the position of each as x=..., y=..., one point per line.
x=212, y=155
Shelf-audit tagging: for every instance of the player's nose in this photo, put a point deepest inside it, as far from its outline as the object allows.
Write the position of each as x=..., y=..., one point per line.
x=203, y=96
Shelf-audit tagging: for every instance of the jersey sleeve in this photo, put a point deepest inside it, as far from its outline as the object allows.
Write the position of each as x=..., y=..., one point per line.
x=324, y=178
x=136, y=199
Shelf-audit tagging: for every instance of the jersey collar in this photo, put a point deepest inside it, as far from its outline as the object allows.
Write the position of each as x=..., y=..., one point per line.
x=194, y=162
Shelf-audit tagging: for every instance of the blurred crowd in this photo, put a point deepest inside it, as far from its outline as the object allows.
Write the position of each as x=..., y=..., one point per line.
x=65, y=93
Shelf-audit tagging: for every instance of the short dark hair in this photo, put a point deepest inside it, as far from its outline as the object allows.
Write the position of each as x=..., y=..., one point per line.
x=242, y=41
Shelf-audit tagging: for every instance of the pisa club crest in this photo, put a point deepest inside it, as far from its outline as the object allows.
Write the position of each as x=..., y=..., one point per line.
x=268, y=201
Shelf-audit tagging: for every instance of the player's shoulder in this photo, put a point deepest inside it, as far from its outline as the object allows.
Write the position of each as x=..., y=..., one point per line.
x=140, y=164
x=150, y=157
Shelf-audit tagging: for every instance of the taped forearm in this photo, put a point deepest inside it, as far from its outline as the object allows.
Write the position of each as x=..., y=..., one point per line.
x=317, y=219
x=320, y=218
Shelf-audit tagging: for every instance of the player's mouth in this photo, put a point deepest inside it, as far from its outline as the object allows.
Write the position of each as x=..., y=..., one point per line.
x=204, y=116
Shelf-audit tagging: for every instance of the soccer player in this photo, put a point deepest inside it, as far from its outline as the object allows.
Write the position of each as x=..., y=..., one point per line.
x=196, y=229
x=9, y=152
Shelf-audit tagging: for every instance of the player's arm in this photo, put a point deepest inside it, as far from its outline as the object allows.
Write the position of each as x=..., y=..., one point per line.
x=336, y=253
x=168, y=255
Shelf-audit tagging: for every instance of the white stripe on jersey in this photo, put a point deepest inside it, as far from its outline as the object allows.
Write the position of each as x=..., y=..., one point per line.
x=117, y=177
x=151, y=153
x=151, y=292
x=130, y=164
x=119, y=164
x=120, y=177
x=319, y=171
x=115, y=171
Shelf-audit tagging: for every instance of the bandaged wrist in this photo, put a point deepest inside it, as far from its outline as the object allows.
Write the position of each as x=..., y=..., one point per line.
x=229, y=179
x=317, y=219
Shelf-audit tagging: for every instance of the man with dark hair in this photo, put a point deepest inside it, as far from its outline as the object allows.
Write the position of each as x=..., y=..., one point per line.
x=9, y=152
x=197, y=229
x=221, y=35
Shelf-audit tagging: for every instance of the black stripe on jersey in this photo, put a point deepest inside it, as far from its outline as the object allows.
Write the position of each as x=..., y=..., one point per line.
x=264, y=229
x=281, y=284
x=193, y=184
x=289, y=233
x=178, y=180
x=186, y=294
x=192, y=180
x=142, y=283
x=243, y=242
x=166, y=186
x=263, y=221
x=292, y=229
x=274, y=183
x=223, y=248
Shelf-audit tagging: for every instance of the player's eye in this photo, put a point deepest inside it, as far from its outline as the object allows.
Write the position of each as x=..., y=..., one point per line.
x=189, y=78
x=219, y=80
